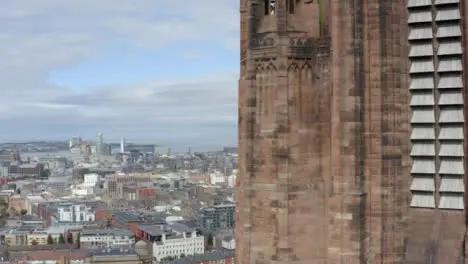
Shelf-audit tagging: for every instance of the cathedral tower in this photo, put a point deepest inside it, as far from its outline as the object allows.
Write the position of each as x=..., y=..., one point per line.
x=323, y=132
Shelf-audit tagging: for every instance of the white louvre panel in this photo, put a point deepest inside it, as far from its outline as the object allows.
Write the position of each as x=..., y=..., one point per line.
x=451, y=201
x=451, y=132
x=425, y=183
x=452, y=184
x=416, y=3
x=423, y=116
x=423, y=200
x=452, y=149
x=451, y=115
x=448, y=14
x=450, y=65
x=451, y=97
x=422, y=133
x=439, y=2
x=417, y=33
x=450, y=81
x=423, y=149
x=450, y=48
x=422, y=99
x=422, y=82
x=420, y=17
x=423, y=166
x=420, y=50
x=451, y=167
x=445, y=31
x=421, y=66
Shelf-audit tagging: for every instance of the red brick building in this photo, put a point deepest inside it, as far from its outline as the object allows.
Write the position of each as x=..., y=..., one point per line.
x=324, y=132
x=147, y=193
x=213, y=257
x=102, y=214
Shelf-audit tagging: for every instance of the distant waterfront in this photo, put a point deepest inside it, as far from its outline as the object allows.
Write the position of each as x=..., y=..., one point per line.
x=63, y=153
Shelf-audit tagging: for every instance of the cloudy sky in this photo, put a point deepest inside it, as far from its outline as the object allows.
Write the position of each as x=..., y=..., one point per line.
x=149, y=70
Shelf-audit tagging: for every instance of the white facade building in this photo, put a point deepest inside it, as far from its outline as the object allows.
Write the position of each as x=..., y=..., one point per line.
x=81, y=190
x=229, y=243
x=65, y=213
x=173, y=218
x=32, y=200
x=78, y=213
x=83, y=213
x=112, y=237
x=217, y=178
x=91, y=179
x=174, y=240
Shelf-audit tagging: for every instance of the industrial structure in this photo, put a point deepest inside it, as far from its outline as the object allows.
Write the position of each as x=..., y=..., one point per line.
x=324, y=133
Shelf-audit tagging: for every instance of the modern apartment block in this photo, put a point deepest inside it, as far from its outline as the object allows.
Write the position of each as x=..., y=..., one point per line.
x=437, y=38
x=220, y=216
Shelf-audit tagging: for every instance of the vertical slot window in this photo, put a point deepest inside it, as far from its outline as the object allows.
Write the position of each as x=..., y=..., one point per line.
x=291, y=6
x=270, y=6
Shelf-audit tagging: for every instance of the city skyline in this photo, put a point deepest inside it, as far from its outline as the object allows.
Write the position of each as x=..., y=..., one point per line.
x=120, y=70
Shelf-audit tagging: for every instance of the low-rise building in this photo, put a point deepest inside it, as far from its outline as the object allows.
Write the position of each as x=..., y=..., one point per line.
x=114, y=256
x=18, y=237
x=32, y=170
x=107, y=237
x=214, y=257
x=76, y=213
x=131, y=220
x=29, y=235
x=228, y=242
x=57, y=253
x=32, y=221
x=16, y=203
x=172, y=240
x=37, y=237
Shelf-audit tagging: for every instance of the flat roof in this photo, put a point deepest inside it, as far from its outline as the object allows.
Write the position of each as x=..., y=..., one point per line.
x=106, y=231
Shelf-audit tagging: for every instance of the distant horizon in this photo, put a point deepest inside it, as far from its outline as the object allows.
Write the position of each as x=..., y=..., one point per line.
x=161, y=147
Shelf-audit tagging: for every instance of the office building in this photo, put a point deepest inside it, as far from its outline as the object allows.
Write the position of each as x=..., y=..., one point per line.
x=220, y=216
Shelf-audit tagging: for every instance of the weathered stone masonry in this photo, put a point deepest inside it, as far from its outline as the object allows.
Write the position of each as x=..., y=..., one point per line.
x=323, y=132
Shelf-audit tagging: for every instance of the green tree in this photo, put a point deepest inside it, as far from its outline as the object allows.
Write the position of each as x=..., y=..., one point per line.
x=78, y=240
x=182, y=255
x=3, y=212
x=209, y=241
x=170, y=258
x=44, y=175
x=50, y=240
x=61, y=239
x=34, y=242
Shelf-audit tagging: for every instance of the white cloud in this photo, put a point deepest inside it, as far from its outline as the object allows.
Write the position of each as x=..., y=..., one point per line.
x=39, y=36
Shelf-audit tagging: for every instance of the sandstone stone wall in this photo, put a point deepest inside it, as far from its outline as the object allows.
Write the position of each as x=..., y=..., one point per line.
x=323, y=133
